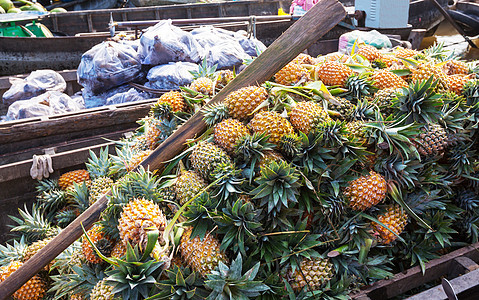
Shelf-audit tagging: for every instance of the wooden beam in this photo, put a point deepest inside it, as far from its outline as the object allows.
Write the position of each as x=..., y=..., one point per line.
x=309, y=28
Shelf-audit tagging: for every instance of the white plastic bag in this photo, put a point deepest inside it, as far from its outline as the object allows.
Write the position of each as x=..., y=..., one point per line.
x=49, y=103
x=165, y=43
x=108, y=65
x=38, y=82
x=373, y=38
x=171, y=76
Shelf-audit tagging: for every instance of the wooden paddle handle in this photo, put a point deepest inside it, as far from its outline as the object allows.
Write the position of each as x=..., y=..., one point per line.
x=309, y=28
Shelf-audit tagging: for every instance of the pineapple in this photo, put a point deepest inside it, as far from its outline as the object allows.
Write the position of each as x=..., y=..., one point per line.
x=333, y=73
x=119, y=250
x=187, y=185
x=405, y=53
x=455, y=67
x=304, y=58
x=267, y=158
x=242, y=103
x=366, y=191
x=292, y=74
x=425, y=70
x=371, y=53
x=33, y=289
x=336, y=56
x=137, y=159
x=138, y=216
x=356, y=130
x=384, y=79
x=174, y=99
x=227, y=133
x=388, y=59
x=224, y=77
x=344, y=107
x=98, y=187
x=203, y=85
x=34, y=248
x=67, y=179
x=456, y=82
x=304, y=116
x=102, y=291
x=383, y=99
x=202, y=255
x=432, y=141
x=100, y=240
x=395, y=219
x=271, y=123
x=205, y=157
x=313, y=272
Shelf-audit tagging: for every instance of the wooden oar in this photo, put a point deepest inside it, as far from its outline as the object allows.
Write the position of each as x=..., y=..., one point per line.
x=309, y=28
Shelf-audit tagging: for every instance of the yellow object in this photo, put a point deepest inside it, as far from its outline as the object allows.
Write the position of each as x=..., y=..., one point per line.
x=281, y=12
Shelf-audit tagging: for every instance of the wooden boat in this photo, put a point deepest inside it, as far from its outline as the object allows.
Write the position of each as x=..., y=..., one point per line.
x=466, y=15
x=82, y=30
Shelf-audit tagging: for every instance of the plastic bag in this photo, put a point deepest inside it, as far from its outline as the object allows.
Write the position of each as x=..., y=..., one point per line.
x=171, y=76
x=165, y=43
x=208, y=36
x=108, y=65
x=251, y=46
x=38, y=82
x=226, y=55
x=48, y=103
x=373, y=38
x=131, y=95
x=92, y=100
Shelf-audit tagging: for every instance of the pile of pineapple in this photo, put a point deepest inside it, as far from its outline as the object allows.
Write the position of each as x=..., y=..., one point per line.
x=340, y=171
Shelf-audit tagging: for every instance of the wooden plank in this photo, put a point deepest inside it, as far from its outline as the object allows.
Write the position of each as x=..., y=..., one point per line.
x=310, y=27
x=412, y=278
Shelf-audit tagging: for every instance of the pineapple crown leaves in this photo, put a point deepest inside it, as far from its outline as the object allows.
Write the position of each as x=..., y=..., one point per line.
x=364, y=110
x=80, y=280
x=399, y=171
x=393, y=135
x=139, y=184
x=80, y=196
x=311, y=157
x=469, y=225
x=290, y=144
x=65, y=217
x=231, y=283
x=214, y=114
x=46, y=185
x=98, y=166
x=204, y=70
x=199, y=214
x=278, y=184
x=438, y=52
x=238, y=223
x=471, y=92
x=467, y=200
x=441, y=227
x=12, y=252
x=161, y=111
x=249, y=149
x=136, y=275
x=335, y=136
x=419, y=102
x=52, y=200
x=33, y=225
x=166, y=128
x=64, y=261
x=418, y=249
x=181, y=284
x=360, y=85
x=462, y=159
x=228, y=180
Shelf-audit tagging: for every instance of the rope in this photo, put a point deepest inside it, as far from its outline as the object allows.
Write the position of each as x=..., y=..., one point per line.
x=42, y=166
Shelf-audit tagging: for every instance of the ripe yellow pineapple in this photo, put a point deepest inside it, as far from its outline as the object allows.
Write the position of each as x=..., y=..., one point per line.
x=206, y=156
x=137, y=217
x=100, y=240
x=242, y=102
x=356, y=129
x=317, y=271
x=384, y=79
x=187, y=185
x=227, y=133
x=224, y=77
x=388, y=59
x=203, y=85
x=34, y=248
x=453, y=67
x=395, y=218
x=371, y=53
x=137, y=159
x=175, y=99
x=271, y=123
x=425, y=70
x=400, y=66
x=98, y=187
x=268, y=157
x=336, y=56
x=33, y=289
x=76, y=297
x=292, y=74
x=119, y=250
x=304, y=116
x=383, y=99
x=153, y=133
x=102, y=291
x=456, y=82
x=304, y=58
x=67, y=179
x=366, y=191
x=203, y=256
x=405, y=53
x=333, y=73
